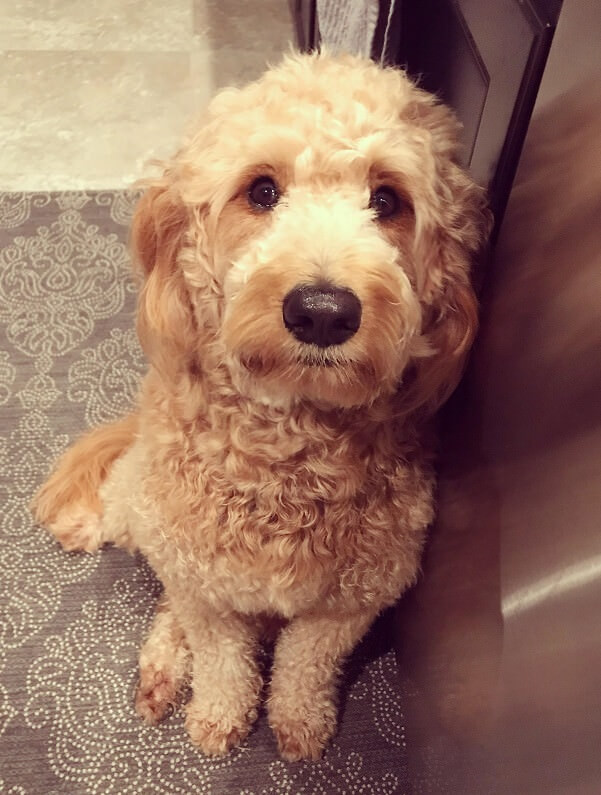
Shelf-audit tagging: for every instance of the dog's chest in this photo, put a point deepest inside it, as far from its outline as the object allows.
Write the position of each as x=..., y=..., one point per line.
x=260, y=520
x=267, y=533
x=272, y=581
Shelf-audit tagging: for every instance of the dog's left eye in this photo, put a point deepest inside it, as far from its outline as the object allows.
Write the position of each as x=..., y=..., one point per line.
x=263, y=193
x=385, y=202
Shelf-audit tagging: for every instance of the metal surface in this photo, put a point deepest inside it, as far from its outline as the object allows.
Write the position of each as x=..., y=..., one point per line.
x=544, y=404
x=500, y=643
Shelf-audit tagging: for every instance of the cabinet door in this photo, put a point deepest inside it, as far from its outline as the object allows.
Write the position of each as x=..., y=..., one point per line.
x=484, y=59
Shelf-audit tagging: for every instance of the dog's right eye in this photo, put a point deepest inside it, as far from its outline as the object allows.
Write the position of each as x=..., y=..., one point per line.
x=263, y=193
x=385, y=202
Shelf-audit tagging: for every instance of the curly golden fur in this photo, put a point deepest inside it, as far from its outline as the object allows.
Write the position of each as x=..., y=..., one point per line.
x=264, y=476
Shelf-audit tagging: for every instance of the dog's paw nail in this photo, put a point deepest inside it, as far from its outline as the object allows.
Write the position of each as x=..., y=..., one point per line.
x=299, y=740
x=155, y=696
x=299, y=744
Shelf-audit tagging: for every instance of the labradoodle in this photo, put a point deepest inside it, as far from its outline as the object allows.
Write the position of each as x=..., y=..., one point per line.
x=305, y=307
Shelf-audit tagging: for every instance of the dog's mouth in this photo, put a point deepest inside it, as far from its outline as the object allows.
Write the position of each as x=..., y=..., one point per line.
x=313, y=359
x=317, y=359
x=332, y=379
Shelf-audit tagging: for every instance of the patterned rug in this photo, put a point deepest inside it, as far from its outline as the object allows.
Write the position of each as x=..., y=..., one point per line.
x=71, y=624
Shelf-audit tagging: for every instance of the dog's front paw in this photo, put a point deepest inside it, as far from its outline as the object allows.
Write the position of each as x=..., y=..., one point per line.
x=215, y=735
x=78, y=529
x=156, y=695
x=303, y=733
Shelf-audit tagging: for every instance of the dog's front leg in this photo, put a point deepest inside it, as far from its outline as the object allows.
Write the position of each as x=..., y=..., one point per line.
x=302, y=703
x=226, y=683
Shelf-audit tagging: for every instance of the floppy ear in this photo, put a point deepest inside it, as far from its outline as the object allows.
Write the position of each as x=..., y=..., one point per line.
x=165, y=320
x=453, y=224
x=450, y=327
x=449, y=245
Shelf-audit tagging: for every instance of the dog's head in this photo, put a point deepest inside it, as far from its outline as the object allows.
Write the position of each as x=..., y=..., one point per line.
x=314, y=239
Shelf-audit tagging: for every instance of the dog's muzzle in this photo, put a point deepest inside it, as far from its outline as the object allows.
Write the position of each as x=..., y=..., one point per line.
x=323, y=316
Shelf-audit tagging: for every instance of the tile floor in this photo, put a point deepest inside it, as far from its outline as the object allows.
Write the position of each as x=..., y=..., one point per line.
x=89, y=92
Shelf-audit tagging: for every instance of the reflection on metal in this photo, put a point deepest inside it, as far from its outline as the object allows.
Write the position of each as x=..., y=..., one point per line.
x=552, y=586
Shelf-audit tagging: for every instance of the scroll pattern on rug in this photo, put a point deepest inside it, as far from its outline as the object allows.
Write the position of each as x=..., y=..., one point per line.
x=71, y=624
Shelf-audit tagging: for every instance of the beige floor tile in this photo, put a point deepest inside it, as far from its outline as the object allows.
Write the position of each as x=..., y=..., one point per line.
x=91, y=91
x=97, y=117
x=243, y=42
x=152, y=25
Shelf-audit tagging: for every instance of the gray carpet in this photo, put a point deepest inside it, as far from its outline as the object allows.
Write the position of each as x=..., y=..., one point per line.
x=71, y=624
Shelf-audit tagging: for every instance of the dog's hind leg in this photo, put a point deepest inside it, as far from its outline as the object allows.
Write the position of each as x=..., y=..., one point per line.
x=164, y=666
x=69, y=503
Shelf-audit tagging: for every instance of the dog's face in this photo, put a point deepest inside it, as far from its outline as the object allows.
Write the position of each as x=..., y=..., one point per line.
x=315, y=237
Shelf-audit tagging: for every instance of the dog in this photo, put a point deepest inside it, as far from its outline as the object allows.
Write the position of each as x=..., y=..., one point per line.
x=305, y=307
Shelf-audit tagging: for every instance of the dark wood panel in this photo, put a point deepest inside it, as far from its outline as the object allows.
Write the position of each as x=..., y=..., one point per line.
x=486, y=61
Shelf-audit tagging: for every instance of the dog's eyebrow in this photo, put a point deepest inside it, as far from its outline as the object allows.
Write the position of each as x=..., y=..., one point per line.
x=251, y=172
x=383, y=171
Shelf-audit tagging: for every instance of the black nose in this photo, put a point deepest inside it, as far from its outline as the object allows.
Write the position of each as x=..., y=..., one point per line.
x=322, y=315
